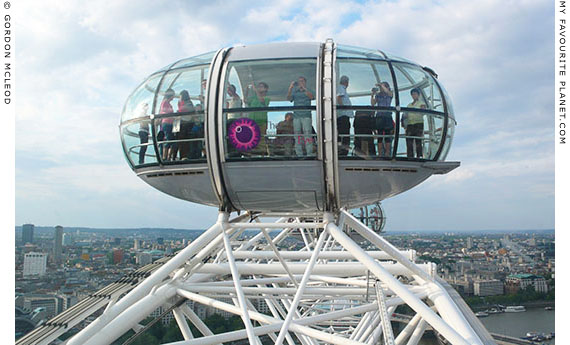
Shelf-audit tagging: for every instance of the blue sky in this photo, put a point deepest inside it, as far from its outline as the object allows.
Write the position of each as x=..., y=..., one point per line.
x=77, y=61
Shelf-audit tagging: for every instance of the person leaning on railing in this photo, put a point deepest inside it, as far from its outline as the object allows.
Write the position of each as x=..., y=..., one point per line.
x=413, y=122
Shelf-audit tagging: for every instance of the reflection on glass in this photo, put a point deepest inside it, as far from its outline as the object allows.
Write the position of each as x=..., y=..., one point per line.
x=144, y=94
x=448, y=139
x=138, y=143
x=188, y=81
x=347, y=51
x=366, y=78
x=413, y=77
x=422, y=137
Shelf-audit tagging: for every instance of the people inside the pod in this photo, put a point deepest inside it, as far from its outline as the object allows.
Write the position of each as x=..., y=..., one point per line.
x=363, y=129
x=167, y=122
x=383, y=124
x=185, y=105
x=285, y=140
x=202, y=97
x=301, y=96
x=256, y=97
x=233, y=101
x=343, y=117
x=413, y=122
x=143, y=130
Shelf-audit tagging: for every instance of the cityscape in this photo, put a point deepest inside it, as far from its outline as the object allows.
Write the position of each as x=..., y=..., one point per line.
x=57, y=267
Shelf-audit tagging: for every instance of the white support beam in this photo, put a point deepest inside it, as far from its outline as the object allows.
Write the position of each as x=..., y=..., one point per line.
x=418, y=333
x=241, y=298
x=435, y=321
x=196, y=321
x=408, y=330
x=182, y=324
x=144, y=288
x=301, y=288
x=383, y=309
x=294, y=326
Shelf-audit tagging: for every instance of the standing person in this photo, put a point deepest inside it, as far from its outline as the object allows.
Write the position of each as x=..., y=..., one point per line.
x=167, y=122
x=185, y=105
x=234, y=101
x=414, y=125
x=259, y=99
x=383, y=123
x=143, y=131
x=344, y=115
x=301, y=96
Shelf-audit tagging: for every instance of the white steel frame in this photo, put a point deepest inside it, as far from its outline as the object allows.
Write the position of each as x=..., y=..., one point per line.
x=331, y=291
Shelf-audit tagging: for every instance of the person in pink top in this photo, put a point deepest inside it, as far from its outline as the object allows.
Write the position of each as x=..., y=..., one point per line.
x=166, y=124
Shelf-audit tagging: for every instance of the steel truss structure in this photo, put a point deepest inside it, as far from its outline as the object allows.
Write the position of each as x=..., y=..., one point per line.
x=331, y=291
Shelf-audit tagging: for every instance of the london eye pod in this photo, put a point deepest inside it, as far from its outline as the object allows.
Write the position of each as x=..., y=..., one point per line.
x=288, y=127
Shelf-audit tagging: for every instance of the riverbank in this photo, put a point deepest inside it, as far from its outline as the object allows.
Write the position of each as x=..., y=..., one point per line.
x=527, y=304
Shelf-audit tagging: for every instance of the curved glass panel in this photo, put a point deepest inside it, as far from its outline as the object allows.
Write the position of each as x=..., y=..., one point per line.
x=181, y=89
x=138, y=142
x=140, y=101
x=448, y=102
x=369, y=83
x=420, y=134
x=180, y=138
x=370, y=135
x=346, y=51
x=285, y=126
x=397, y=58
x=201, y=59
x=448, y=139
x=412, y=78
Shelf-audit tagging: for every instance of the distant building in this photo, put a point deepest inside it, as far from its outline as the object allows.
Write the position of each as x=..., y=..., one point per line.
x=117, y=256
x=67, y=239
x=488, y=287
x=117, y=241
x=469, y=242
x=35, y=264
x=137, y=244
x=160, y=240
x=58, y=244
x=52, y=304
x=27, y=233
x=144, y=258
x=516, y=282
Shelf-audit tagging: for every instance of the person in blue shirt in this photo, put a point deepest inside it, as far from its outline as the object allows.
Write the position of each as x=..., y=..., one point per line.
x=301, y=96
x=383, y=123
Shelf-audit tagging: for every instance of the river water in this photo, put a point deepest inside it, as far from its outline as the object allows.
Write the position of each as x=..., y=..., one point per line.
x=515, y=324
x=518, y=324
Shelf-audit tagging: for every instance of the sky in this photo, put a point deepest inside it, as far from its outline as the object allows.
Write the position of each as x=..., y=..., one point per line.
x=77, y=62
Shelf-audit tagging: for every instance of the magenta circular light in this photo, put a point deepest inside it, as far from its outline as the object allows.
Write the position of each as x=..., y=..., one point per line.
x=244, y=134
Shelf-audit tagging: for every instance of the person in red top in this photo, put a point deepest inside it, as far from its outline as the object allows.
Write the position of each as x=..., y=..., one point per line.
x=166, y=124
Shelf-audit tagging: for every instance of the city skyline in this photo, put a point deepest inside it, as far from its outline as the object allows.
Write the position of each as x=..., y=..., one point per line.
x=80, y=62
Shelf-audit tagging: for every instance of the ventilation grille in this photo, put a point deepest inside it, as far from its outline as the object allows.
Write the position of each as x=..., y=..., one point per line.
x=179, y=173
x=383, y=169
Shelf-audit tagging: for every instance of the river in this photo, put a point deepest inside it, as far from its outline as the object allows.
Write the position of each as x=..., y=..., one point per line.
x=518, y=324
x=515, y=324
